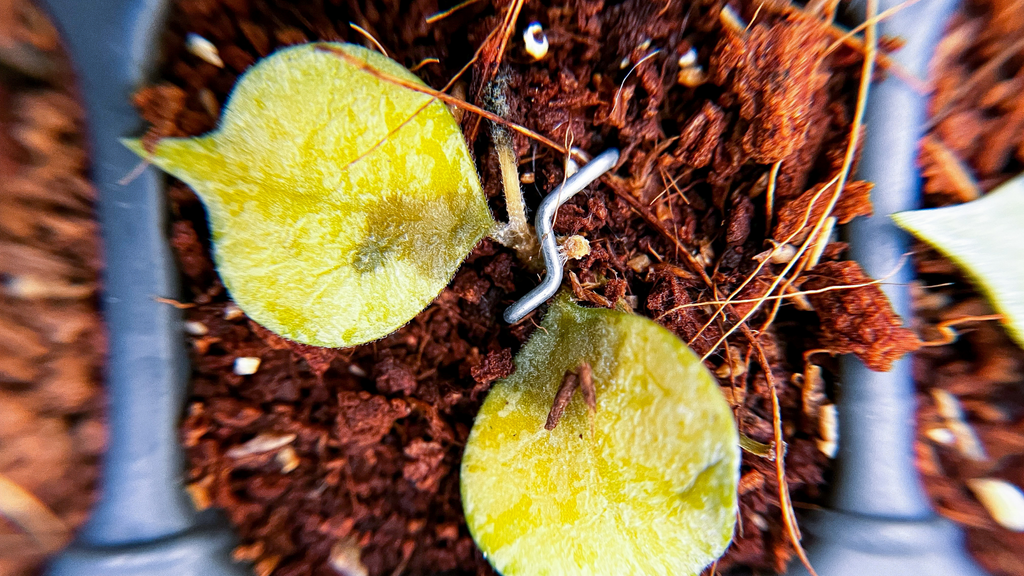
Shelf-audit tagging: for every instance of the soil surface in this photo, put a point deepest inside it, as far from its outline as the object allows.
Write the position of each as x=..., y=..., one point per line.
x=975, y=144
x=350, y=457
x=51, y=340
x=337, y=460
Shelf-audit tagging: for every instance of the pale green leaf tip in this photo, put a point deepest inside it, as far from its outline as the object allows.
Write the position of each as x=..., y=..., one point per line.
x=983, y=239
x=135, y=145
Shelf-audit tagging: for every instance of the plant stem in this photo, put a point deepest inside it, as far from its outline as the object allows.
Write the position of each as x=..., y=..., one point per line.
x=517, y=234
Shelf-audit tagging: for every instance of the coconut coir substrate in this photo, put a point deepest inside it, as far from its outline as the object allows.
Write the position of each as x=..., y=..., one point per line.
x=328, y=458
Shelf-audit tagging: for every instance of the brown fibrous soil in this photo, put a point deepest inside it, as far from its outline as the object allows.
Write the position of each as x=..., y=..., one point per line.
x=976, y=143
x=352, y=455
x=52, y=429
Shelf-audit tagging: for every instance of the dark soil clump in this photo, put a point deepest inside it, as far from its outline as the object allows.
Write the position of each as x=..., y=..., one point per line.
x=364, y=443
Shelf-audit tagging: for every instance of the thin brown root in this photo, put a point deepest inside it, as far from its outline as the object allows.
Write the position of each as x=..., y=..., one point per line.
x=769, y=197
x=24, y=510
x=369, y=37
x=618, y=186
x=467, y=65
x=586, y=375
x=447, y=99
x=867, y=70
x=568, y=140
x=589, y=394
x=969, y=86
x=446, y=13
x=406, y=556
x=418, y=110
x=509, y=28
x=582, y=379
x=174, y=303
x=534, y=322
x=562, y=398
x=826, y=9
x=423, y=63
x=390, y=133
x=618, y=93
x=949, y=334
x=813, y=351
x=135, y=173
x=897, y=70
x=803, y=223
x=492, y=58
x=788, y=515
x=766, y=298
x=823, y=240
x=754, y=17
x=789, y=293
x=670, y=184
x=846, y=38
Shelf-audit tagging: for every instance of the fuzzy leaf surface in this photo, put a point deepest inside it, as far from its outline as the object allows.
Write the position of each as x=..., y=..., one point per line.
x=339, y=204
x=646, y=485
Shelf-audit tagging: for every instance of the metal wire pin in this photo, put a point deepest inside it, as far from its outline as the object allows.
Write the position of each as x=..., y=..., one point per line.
x=545, y=221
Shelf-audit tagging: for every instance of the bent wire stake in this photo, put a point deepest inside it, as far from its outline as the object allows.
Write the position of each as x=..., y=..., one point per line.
x=543, y=224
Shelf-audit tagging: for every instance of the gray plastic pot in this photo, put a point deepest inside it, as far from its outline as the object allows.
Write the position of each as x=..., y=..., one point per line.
x=144, y=524
x=881, y=521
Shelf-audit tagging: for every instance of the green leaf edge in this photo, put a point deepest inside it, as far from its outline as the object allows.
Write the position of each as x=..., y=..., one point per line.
x=563, y=304
x=135, y=145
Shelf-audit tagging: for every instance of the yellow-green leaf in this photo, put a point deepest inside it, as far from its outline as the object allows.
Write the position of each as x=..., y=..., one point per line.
x=645, y=485
x=985, y=237
x=339, y=204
